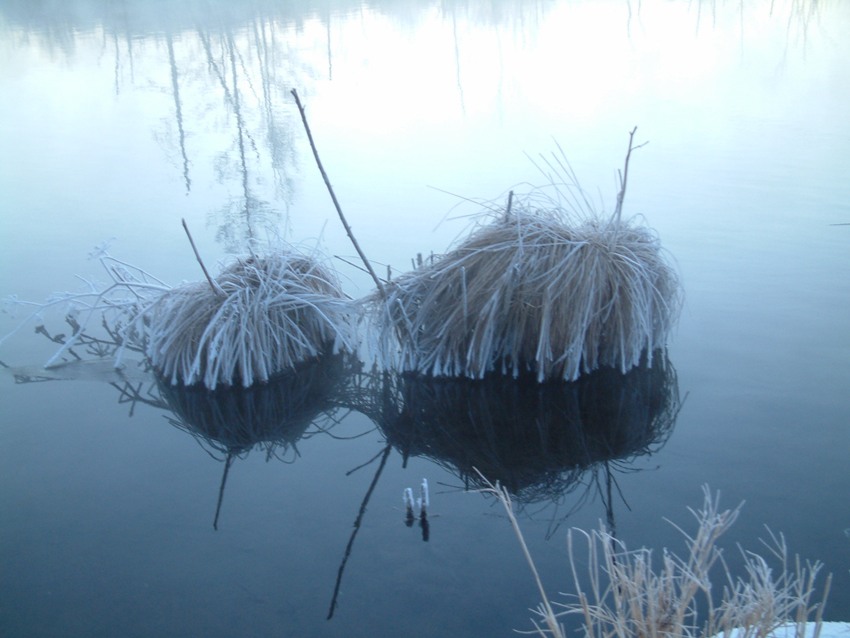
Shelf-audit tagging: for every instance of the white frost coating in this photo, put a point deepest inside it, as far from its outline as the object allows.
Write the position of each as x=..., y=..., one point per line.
x=116, y=303
x=424, y=492
x=272, y=313
x=586, y=294
x=266, y=315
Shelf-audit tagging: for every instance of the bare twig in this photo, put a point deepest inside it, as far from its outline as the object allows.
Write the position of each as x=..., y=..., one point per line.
x=215, y=287
x=624, y=176
x=348, y=230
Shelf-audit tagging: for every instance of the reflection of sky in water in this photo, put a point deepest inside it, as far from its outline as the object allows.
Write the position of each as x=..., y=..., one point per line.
x=742, y=103
x=446, y=98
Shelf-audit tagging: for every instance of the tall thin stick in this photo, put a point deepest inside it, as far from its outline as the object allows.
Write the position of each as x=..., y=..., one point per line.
x=368, y=265
x=545, y=608
x=624, y=176
x=215, y=287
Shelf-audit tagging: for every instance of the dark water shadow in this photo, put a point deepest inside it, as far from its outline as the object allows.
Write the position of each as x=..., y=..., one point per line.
x=540, y=441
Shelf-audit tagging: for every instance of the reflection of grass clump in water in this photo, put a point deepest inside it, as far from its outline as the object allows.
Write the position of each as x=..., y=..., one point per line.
x=536, y=439
x=261, y=316
x=534, y=289
x=276, y=414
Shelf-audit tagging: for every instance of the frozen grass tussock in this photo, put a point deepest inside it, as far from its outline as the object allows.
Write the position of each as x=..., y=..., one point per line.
x=543, y=285
x=258, y=317
x=533, y=291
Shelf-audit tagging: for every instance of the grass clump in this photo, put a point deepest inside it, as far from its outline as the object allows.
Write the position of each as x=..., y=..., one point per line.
x=262, y=316
x=539, y=286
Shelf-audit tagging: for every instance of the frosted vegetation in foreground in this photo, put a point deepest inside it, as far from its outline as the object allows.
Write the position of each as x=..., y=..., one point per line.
x=626, y=594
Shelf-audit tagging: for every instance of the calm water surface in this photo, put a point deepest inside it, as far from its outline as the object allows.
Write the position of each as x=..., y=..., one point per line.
x=130, y=509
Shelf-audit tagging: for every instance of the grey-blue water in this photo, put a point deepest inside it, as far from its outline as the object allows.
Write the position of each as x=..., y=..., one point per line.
x=117, y=119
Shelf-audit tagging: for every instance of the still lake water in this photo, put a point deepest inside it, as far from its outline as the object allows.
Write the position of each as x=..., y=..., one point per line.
x=117, y=119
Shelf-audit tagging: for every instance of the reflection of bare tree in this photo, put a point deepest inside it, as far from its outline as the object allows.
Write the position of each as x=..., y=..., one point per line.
x=280, y=137
x=242, y=49
x=241, y=220
x=178, y=110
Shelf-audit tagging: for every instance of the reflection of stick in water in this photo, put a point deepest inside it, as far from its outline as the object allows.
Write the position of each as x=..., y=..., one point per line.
x=424, y=502
x=227, y=463
x=357, y=522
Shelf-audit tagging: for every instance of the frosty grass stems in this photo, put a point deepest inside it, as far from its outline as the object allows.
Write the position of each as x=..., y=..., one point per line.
x=115, y=303
x=624, y=595
x=276, y=311
x=551, y=290
x=546, y=286
x=262, y=315
x=533, y=292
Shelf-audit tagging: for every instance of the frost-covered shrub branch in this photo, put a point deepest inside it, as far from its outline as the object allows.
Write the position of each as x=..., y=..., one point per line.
x=115, y=305
x=264, y=315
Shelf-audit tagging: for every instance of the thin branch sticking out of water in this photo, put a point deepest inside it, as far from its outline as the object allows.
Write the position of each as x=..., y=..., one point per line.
x=215, y=287
x=327, y=181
